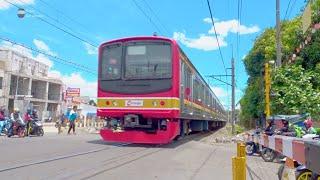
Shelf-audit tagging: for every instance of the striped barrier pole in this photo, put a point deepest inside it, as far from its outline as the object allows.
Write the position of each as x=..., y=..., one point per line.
x=239, y=163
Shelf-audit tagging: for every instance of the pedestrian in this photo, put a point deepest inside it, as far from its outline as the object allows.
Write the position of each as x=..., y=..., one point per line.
x=60, y=123
x=72, y=119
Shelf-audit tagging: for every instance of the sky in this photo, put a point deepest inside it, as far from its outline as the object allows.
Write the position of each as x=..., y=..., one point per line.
x=68, y=30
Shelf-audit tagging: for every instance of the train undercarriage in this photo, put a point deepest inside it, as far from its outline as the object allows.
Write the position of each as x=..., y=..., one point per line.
x=135, y=129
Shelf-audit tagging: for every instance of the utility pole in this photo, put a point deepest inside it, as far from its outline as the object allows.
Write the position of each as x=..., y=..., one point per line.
x=233, y=96
x=278, y=35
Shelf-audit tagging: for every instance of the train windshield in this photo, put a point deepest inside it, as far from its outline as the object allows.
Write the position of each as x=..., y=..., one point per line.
x=111, y=62
x=148, y=60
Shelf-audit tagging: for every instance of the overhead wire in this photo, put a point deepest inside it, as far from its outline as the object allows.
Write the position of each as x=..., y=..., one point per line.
x=147, y=16
x=55, y=58
x=65, y=15
x=156, y=16
x=293, y=4
x=285, y=16
x=216, y=35
x=55, y=26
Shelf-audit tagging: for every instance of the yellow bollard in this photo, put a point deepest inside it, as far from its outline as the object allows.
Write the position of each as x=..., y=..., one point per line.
x=239, y=163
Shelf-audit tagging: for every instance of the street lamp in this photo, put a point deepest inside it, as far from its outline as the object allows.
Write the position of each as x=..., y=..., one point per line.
x=21, y=13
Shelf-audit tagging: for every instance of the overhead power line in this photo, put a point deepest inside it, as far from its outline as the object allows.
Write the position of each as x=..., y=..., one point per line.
x=285, y=16
x=55, y=58
x=65, y=15
x=215, y=32
x=146, y=15
x=52, y=18
x=156, y=16
x=55, y=26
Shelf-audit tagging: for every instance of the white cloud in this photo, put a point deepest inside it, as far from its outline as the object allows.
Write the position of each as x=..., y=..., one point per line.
x=5, y=5
x=208, y=20
x=219, y=92
x=90, y=49
x=42, y=46
x=204, y=42
x=208, y=42
x=76, y=80
x=233, y=26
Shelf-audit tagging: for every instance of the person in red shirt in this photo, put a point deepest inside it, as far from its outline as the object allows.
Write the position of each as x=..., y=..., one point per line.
x=27, y=119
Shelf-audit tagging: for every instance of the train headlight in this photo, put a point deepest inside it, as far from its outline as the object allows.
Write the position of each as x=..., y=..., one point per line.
x=114, y=103
x=155, y=103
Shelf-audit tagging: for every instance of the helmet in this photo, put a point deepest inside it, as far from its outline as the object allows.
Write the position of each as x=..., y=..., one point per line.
x=285, y=121
x=29, y=110
x=34, y=111
x=308, y=123
x=16, y=110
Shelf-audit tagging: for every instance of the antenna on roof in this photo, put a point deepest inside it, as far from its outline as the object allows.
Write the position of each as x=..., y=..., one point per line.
x=155, y=34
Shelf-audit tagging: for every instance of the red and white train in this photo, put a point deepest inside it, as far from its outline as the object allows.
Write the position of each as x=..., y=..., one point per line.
x=149, y=92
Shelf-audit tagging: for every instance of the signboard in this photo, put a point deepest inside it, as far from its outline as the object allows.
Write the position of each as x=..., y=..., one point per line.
x=73, y=92
x=134, y=103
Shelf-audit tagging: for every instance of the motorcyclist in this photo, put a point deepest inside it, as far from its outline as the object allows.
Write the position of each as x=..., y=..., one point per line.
x=286, y=130
x=270, y=127
x=309, y=129
x=27, y=120
x=15, y=117
x=34, y=114
x=2, y=119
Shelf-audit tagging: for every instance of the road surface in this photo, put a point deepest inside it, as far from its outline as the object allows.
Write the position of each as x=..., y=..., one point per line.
x=85, y=156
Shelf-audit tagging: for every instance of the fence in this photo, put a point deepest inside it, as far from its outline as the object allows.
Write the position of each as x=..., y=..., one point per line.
x=304, y=151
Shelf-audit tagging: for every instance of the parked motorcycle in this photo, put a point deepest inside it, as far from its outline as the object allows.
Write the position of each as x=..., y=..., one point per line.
x=6, y=127
x=17, y=128
x=36, y=128
x=252, y=147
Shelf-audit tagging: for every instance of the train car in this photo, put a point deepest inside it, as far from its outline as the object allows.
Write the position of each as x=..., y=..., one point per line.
x=149, y=92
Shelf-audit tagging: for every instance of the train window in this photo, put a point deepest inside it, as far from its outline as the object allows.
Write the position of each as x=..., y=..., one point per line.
x=148, y=60
x=111, y=62
x=187, y=77
x=196, y=90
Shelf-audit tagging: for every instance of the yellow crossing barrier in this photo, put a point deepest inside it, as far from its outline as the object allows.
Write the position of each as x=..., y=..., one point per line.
x=239, y=163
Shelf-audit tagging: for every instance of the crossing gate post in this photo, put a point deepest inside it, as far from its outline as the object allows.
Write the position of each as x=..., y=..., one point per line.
x=239, y=163
x=289, y=170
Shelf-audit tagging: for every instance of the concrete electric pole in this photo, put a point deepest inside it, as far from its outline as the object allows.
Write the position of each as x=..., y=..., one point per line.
x=233, y=96
x=278, y=35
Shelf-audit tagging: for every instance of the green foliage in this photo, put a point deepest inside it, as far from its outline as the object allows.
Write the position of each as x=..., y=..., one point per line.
x=294, y=90
x=239, y=129
x=264, y=50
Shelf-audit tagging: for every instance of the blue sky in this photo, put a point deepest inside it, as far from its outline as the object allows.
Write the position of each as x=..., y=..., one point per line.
x=98, y=21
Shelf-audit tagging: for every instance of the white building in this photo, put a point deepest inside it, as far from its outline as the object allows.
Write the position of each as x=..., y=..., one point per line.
x=24, y=83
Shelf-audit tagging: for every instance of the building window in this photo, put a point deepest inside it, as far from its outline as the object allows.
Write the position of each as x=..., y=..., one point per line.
x=1, y=78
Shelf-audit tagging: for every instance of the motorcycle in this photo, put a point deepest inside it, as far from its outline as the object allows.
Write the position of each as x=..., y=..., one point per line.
x=36, y=127
x=252, y=147
x=17, y=127
x=6, y=127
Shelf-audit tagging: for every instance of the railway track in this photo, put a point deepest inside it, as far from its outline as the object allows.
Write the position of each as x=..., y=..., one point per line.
x=104, y=165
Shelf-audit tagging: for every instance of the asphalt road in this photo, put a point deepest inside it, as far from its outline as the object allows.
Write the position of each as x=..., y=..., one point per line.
x=85, y=156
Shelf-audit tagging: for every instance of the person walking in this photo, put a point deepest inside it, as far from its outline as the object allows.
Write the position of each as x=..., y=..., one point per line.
x=60, y=123
x=72, y=118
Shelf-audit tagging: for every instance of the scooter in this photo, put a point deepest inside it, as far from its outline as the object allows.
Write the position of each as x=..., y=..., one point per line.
x=6, y=126
x=251, y=146
x=36, y=128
